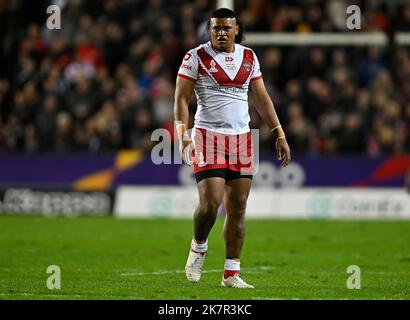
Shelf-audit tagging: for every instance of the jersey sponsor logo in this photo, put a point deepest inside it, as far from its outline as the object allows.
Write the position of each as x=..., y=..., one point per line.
x=247, y=66
x=230, y=66
x=187, y=56
x=233, y=90
x=228, y=59
x=185, y=66
x=212, y=68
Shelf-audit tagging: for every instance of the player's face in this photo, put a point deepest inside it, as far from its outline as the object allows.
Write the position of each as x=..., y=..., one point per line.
x=223, y=32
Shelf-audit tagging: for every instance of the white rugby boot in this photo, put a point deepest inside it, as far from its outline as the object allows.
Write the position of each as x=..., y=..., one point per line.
x=235, y=282
x=193, y=267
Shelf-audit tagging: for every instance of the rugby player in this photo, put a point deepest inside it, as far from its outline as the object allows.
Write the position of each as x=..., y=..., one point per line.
x=221, y=72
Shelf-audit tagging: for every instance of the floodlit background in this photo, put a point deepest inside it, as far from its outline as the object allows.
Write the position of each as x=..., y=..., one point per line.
x=78, y=106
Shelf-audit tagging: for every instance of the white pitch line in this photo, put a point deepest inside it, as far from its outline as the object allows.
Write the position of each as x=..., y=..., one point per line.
x=156, y=273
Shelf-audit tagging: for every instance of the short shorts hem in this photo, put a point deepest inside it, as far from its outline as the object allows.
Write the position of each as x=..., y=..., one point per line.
x=224, y=173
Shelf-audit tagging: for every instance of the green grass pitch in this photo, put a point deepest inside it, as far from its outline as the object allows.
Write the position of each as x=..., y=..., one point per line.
x=108, y=258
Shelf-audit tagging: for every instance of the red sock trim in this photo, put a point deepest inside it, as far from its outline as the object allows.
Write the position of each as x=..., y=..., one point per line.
x=230, y=273
x=203, y=253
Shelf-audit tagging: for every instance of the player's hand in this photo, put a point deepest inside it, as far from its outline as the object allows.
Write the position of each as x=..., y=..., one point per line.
x=186, y=150
x=282, y=151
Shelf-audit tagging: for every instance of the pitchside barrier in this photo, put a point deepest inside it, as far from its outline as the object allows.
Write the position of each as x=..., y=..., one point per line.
x=306, y=203
x=129, y=184
x=85, y=172
x=51, y=202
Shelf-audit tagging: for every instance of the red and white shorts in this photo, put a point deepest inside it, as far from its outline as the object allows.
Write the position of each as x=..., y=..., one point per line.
x=215, y=150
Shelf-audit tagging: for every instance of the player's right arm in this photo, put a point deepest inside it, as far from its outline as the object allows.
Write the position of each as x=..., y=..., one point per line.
x=186, y=79
x=183, y=93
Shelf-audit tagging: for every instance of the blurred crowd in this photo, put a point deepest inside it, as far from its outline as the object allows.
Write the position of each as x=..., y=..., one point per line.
x=106, y=79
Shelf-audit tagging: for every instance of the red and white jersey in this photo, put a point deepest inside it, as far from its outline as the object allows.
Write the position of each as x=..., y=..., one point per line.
x=221, y=86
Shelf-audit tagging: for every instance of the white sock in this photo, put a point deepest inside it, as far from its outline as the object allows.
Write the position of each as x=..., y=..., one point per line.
x=199, y=247
x=231, y=267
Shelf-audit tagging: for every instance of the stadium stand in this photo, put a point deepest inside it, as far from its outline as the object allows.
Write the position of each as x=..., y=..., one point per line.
x=106, y=80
